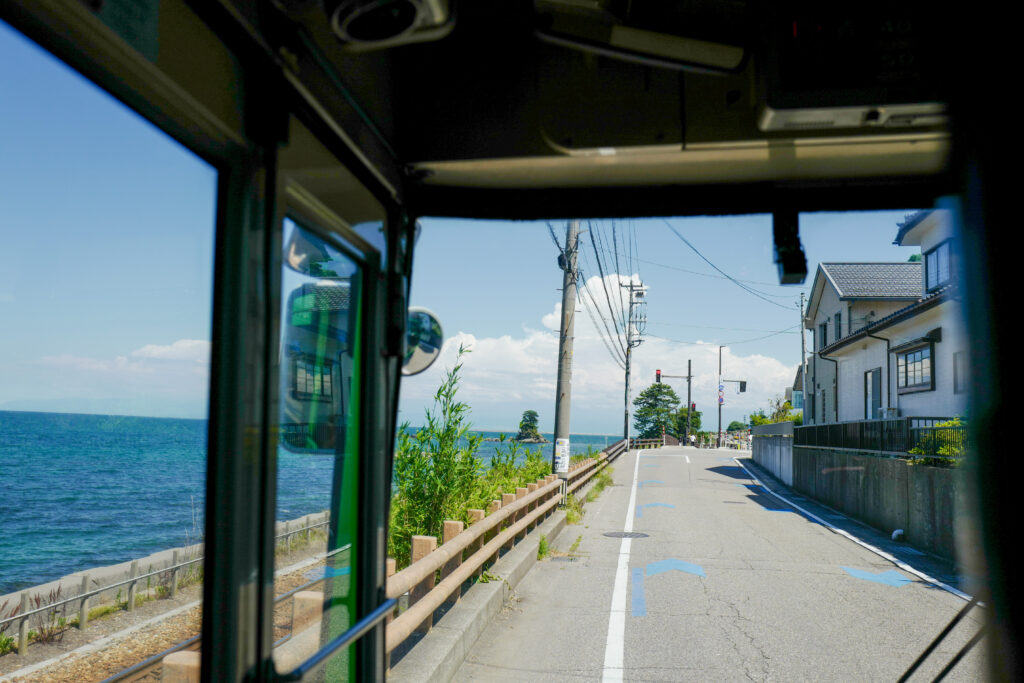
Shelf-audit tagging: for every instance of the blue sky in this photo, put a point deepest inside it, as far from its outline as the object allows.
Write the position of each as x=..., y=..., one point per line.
x=495, y=287
x=106, y=277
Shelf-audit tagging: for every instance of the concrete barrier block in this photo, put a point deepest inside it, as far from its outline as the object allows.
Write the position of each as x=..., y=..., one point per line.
x=307, y=607
x=181, y=667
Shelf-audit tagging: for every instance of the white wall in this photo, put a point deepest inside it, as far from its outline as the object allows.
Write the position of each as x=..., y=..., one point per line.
x=940, y=402
x=858, y=358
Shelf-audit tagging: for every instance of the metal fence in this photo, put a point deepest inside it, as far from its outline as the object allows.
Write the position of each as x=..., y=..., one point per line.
x=905, y=435
x=53, y=610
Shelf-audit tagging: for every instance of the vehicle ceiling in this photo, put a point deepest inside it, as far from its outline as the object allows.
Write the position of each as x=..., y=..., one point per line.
x=490, y=115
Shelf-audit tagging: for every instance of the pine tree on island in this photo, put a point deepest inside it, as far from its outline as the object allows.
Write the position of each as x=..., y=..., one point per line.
x=528, y=429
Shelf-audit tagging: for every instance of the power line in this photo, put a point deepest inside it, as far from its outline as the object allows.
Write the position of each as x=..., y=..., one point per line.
x=727, y=276
x=608, y=340
x=711, y=327
x=604, y=286
x=734, y=343
x=719, y=277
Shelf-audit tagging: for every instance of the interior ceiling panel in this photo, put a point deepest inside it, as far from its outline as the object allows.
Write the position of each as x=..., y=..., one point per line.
x=495, y=103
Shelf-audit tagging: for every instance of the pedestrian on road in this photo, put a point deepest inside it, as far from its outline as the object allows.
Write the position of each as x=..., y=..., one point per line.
x=693, y=440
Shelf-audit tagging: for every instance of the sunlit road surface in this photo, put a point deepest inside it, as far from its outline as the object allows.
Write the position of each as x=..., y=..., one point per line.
x=729, y=584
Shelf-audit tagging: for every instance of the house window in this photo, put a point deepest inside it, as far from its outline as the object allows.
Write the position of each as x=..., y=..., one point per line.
x=959, y=372
x=823, y=335
x=937, y=270
x=839, y=327
x=872, y=393
x=914, y=370
x=312, y=381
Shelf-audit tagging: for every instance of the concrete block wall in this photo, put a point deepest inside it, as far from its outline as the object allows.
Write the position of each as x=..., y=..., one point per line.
x=887, y=493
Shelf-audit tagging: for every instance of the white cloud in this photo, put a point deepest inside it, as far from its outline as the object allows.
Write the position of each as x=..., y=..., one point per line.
x=195, y=350
x=505, y=375
x=553, y=320
x=175, y=376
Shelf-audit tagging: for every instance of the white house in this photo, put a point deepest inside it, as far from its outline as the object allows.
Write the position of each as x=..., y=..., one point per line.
x=888, y=340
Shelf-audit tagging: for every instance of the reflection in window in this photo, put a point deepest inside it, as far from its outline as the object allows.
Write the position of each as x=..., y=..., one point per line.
x=317, y=462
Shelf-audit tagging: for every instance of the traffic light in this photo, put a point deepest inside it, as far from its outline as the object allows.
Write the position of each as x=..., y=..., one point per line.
x=657, y=376
x=743, y=387
x=693, y=406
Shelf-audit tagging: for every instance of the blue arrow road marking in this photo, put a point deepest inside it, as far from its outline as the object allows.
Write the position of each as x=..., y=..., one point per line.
x=649, y=481
x=889, y=578
x=638, y=602
x=640, y=508
x=638, y=599
x=662, y=566
x=326, y=572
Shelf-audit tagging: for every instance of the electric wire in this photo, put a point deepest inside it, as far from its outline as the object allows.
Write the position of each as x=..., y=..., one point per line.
x=734, y=343
x=607, y=344
x=618, y=354
x=604, y=286
x=720, y=277
x=736, y=282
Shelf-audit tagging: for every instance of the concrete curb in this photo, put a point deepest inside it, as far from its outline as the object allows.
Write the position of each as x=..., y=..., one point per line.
x=438, y=656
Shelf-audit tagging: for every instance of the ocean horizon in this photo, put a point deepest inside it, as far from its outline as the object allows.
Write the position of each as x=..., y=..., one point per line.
x=90, y=490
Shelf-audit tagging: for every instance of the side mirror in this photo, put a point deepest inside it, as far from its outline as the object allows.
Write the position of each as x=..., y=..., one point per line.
x=423, y=341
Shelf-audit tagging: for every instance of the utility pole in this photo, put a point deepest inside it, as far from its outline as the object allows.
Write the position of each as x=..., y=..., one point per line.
x=636, y=322
x=721, y=399
x=803, y=360
x=563, y=392
x=689, y=403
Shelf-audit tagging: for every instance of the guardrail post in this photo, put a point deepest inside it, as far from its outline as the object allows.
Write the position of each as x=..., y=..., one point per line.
x=508, y=499
x=181, y=667
x=530, y=488
x=390, y=568
x=521, y=493
x=174, y=574
x=451, y=530
x=491, y=509
x=132, y=573
x=474, y=517
x=305, y=523
x=23, y=625
x=421, y=547
x=287, y=537
x=83, y=609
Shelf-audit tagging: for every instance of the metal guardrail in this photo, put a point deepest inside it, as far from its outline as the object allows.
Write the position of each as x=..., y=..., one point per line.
x=23, y=613
x=898, y=436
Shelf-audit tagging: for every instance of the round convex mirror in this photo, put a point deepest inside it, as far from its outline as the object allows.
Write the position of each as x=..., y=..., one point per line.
x=423, y=340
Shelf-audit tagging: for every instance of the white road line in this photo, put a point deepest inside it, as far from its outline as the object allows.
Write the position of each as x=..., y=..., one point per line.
x=878, y=551
x=615, y=646
x=687, y=460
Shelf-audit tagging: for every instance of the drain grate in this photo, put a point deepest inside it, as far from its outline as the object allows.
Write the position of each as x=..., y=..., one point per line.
x=625, y=534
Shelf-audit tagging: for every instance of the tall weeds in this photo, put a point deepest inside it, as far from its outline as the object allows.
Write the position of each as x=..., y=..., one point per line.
x=437, y=475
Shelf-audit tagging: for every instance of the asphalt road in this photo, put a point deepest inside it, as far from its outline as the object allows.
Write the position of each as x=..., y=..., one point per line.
x=727, y=583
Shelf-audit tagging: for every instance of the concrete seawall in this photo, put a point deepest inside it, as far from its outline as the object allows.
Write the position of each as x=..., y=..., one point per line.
x=71, y=584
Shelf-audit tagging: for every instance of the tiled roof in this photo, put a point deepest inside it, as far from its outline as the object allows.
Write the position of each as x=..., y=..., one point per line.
x=875, y=280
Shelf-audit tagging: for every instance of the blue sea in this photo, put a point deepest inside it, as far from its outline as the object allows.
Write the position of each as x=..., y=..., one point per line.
x=82, y=491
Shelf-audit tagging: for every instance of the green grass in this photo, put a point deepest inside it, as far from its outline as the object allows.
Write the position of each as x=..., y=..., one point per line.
x=542, y=548
x=576, y=544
